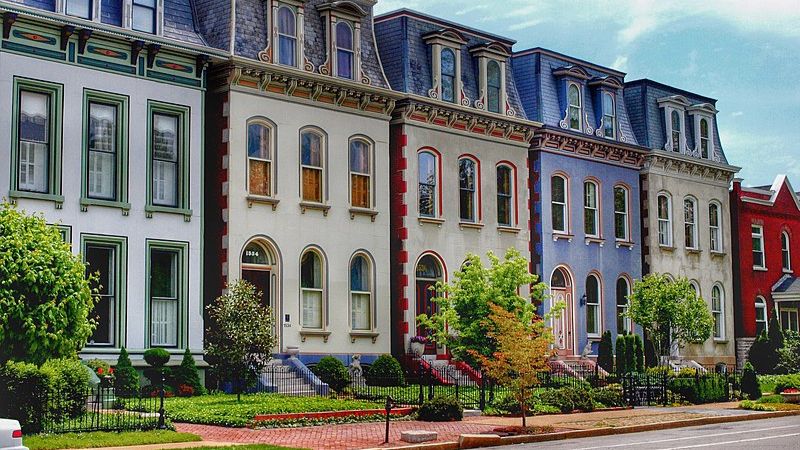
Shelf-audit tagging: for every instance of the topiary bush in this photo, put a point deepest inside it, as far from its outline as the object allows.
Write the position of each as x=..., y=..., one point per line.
x=385, y=371
x=126, y=378
x=440, y=409
x=186, y=375
x=620, y=352
x=332, y=372
x=750, y=384
x=156, y=357
x=605, y=353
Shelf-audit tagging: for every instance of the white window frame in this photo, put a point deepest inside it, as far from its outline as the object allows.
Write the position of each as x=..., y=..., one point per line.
x=571, y=107
x=128, y=12
x=690, y=227
x=435, y=186
x=715, y=231
x=792, y=314
x=760, y=303
x=270, y=160
x=475, y=216
x=298, y=24
x=594, y=209
x=564, y=204
x=760, y=236
x=609, y=116
x=598, y=308
x=786, y=252
x=352, y=51
x=664, y=239
x=369, y=293
x=322, y=168
x=321, y=290
x=370, y=168
x=622, y=309
x=509, y=197
x=625, y=213
x=718, y=296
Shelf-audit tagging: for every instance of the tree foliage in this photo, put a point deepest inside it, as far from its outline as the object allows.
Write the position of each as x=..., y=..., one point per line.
x=605, y=353
x=464, y=305
x=126, y=378
x=45, y=294
x=621, y=355
x=670, y=312
x=240, y=340
x=522, y=350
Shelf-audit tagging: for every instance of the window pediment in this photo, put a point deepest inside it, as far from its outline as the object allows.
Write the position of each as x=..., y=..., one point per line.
x=606, y=82
x=492, y=50
x=447, y=37
x=702, y=108
x=676, y=101
x=344, y=9
x=572, y=71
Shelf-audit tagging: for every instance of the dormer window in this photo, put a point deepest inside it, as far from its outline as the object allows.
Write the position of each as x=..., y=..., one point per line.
x=448, y=70
x=704, y=138
x=79, y=8
x=676, y=131
x=344, y=50
x=287, y=37
x=609, y=116
x=493, y=86
x=144, y=16
x=702, y=118
x=574, y=99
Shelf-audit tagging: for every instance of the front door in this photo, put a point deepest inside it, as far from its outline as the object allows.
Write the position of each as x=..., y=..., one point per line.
x=562, y=326
x=262, y=281
x=426, y=305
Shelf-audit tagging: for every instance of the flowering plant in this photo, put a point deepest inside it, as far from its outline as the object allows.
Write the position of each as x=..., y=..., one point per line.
x=791, y=391
x=420, y=340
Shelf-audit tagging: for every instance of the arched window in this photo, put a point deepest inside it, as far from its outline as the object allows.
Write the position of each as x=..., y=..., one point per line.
x=574, y=99
x=428, y=268
x=428, y=179
x=493, y=86
x=690, y=222
x=258, y=266
x=715, y=227
x=786, y=252
x=676, y=131
x=287, y=37
x=593, y=308
x=312, y=289
x=312, y=165
x=467, y=190
x=428, y=273
x=259, y=158
x=505, y=195
x=344, y=50
x=623, y=291
x=621, y=214
x=591, y=221
x=761, y=315
x=664, y=220
x=448, y=75
x=704, y=138
x=609, y=116
x=559, y=204
x=361, y=293
x=695, y=287
x=718, y=311
x=360, y=173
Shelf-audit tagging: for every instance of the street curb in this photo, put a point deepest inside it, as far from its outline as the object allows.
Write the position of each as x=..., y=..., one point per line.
x=597, y=432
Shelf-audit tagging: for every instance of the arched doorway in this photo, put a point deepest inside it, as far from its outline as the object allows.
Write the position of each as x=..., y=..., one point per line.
x=428, y=273
x=259, y=267
x=563, y=328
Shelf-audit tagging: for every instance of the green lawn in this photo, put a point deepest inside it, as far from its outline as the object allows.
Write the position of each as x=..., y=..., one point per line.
x=105, y=439
x=225, y=410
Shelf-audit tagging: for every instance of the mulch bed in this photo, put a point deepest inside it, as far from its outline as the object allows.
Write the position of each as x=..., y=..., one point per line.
x=521, y=431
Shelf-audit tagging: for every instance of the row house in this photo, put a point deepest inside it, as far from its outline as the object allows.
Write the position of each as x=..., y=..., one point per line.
x=685, y=203
x=458, y=157
x=766, y=227
x=584, y=172
x=297, y=198
x=101, y=134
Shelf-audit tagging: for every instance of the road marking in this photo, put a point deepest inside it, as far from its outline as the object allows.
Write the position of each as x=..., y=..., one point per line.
x=735, y=442
x=629, y=444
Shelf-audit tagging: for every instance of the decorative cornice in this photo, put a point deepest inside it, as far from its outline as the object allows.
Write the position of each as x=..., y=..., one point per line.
x=465, y=122
x=607, y=151
x=690, y=167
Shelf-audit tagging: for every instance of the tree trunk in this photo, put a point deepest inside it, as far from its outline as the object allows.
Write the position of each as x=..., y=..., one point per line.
x=523, y=407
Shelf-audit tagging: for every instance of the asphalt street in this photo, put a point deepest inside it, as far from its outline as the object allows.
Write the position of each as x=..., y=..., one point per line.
x=782, y=433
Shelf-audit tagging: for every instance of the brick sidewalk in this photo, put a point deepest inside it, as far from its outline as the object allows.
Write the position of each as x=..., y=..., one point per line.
x=331, y=437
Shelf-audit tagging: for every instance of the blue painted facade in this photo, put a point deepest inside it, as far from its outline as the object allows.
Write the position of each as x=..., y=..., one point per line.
x=579, y=155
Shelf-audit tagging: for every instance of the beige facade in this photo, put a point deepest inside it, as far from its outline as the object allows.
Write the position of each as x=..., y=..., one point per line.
x=668, y=250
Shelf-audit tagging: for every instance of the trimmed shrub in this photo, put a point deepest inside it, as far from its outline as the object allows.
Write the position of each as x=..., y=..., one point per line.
x=440, y=409
x=69, y=382
x=23, y=394
x=630, y=353
x=385, y=371
x=186, y=375
x=621, y=351
x=638, y=351
x=698, y=390
x=126, y=378
x=758, y=355
x=750, y=384
x=332, y=372
x=783, y=382
x=156, y=357
x=609, y=397
x=566, y=399
x=605, y=353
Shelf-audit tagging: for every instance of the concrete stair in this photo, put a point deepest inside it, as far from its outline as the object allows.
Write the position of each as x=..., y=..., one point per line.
x=450, y=372
x=280, y=378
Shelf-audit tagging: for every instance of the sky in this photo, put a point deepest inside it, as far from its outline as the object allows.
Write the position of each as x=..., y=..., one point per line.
x=744, y=53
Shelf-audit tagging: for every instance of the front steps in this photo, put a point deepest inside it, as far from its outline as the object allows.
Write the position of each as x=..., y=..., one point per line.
x=280, y=378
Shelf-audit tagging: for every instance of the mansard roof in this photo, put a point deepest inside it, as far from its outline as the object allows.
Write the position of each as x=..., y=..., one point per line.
x=403, y=37
x=644, y=99
x=252, y=34
x=179, y=17
x=539, y=75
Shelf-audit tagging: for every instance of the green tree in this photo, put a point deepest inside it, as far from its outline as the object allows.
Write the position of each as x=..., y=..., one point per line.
x=45, y=293
x=750, y=384
x=464, y=305
x=240, y=340
x=630, y=353
x=670, y=312
x=638, y=350
x=126, y=378
x=605, y=353
x=789, y=355
x=759, y=354
x=621, y=355
x=186, y=374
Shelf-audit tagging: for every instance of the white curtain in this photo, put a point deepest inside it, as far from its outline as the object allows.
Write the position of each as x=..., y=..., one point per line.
x=164, y=179
x=101, y=175
x=164, y=332
x=33, y=166
x=312, y=308
x=360, y=311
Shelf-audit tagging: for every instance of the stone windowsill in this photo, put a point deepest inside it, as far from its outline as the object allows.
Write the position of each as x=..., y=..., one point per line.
x=364, y=334
x=57, y=199
x=265, y=200
x=506, y=229
x=595, y=240
x=693, y=251
x=627, y=244
x=666, y=248
x=315, y=333
x=431, y=220
x=717, y=253
x=355, y=211
x=760, y=269
x=472, y=225
x=315, y=206
x=568, y=237
x=185, y=212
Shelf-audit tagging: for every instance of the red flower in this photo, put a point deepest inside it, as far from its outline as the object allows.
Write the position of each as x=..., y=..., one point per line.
x=99, y=370
x=791, y=391
x=110, y=370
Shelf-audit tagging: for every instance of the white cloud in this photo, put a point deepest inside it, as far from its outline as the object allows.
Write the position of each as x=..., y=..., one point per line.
x=691, y=66
x=621, y=63
x=737, y=114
